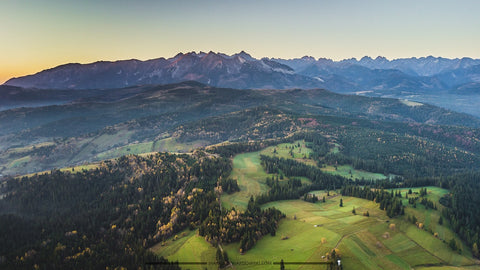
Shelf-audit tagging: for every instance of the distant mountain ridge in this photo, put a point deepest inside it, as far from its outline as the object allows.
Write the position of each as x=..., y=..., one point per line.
x=423, y=66
x=242, y=71
x=407, y=74
x=216, y=69
x=440, y=81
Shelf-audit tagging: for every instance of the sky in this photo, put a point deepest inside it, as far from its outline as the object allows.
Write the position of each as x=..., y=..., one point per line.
x=40, y=34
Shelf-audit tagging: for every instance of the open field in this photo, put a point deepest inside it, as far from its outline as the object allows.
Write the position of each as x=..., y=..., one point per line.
x=137, y=148
x=25, y=149
x=73, y=169
x=335, y=149
x=19, y=162
x=349, y=172
x=363, y=242
x=429, y=217
x=250, y=177
x=313, y=230
x=80, y=168
x=188, y=247
x=300, y=152
x=297, y=150
x=164, y=145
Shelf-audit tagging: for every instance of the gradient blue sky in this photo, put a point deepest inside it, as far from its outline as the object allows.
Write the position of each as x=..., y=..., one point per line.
x=36, y=35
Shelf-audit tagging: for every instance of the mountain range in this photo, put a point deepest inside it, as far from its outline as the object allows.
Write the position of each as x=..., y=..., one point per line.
x=450, y=83
x=242, y=71
x=236, y=71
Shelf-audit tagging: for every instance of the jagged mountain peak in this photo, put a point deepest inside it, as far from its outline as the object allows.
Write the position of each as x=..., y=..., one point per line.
x=366, y=58
x=308, y=58
x=239, y=70
x=245, y=56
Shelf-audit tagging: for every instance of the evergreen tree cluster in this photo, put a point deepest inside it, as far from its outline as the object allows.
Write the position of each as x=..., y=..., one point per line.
x=310, y=198
x=388, y=201
x=247, y=227
x=283, y=190
x=106, y=217
x=315, y=141
x=229, y=185
x=383, y=149
x=428, y=204
x=293, y=168
x=231, y=149
x=464, y=213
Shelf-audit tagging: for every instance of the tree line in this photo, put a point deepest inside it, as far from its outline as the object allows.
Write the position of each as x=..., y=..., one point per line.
x=388, y=201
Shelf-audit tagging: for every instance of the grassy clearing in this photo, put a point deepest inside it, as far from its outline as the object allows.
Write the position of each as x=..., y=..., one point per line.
x=335, y=149
x=171, y=145
x=80, y=168
x=189, y=247
x=355, y=255
x=303, y=243
x=19, y=162
x=425, y=239
x=349, y=172
x=126, y=150
x=74, y=169
x=250, y=177
x=430, y=218
x=437, y=247
x=120, y=137
x=164, y=145
x=297, y=150
x=25, y=149
x=399, y=243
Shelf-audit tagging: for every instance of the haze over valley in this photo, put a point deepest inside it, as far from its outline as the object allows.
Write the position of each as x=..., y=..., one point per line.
x=449, y=83
x=240, y=134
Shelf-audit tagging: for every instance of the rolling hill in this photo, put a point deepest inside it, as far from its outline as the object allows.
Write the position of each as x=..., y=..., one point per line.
x=153, y=118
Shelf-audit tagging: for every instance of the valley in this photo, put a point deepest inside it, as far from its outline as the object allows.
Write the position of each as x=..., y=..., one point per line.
x=176, y=172
x=238, y=135
x=163, y=118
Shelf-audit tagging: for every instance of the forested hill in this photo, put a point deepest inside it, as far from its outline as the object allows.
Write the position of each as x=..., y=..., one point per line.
x=152, y=118
x=108, y=216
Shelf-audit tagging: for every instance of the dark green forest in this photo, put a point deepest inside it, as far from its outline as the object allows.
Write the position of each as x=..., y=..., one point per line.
x=109, y=216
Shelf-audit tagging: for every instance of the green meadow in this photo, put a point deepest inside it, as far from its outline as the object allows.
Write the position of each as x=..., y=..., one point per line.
x=300, y=152
x=250, y=177
x=19, y=162
x=188, y=247
x=349, y=172
x=297, y=150
x=310, y=231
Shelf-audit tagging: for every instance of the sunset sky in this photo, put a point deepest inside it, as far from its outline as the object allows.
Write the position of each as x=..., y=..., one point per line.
x=36, y=35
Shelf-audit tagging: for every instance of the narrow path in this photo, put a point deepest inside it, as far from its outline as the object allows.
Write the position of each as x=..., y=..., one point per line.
x=348, y=234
